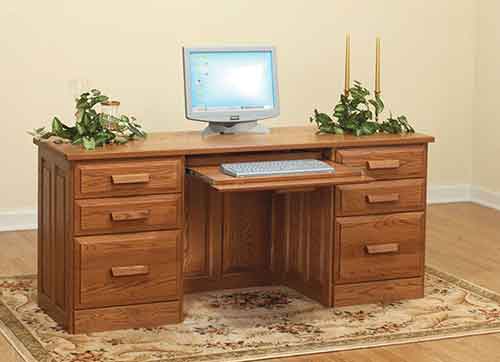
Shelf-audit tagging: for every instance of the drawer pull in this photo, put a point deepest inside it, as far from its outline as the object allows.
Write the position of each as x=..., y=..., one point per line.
x=380, y=199
x=139, y=178
x=130, y=215
x=383, y=164
x=125, y=271
x=382, y=248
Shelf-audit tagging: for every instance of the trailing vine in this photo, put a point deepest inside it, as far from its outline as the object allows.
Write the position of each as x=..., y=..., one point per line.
x=92, y=129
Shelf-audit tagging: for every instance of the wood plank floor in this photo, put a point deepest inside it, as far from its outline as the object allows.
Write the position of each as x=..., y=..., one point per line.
x=463, y=239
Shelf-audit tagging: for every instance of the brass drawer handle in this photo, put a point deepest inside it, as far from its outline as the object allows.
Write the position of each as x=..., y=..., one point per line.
x=130, y=215
x=383, y=164
x=382, y=248
x=139, y=178
x=380, y=199
x=125, y=271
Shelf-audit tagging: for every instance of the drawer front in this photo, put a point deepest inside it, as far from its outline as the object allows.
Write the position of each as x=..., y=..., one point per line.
x=384, y=291
x=127, y=317
x=380, y=247
x=380, y=197
x=138, y=213
x=386, y=163
x=121, y=178
x=128, y=268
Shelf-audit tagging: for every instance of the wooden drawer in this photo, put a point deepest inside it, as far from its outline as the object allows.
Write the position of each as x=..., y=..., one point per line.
x=384, y=291
x=385, y=163
x=127, y=317
x=380, y=247
x=128, y=268
x=121, y=178
x=380, y=197
x=120, y=214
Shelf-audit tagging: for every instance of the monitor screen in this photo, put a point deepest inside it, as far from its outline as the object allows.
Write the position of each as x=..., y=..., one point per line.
x=229, y=81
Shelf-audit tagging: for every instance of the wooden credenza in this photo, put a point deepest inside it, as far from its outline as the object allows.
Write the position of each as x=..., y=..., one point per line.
x=126, y=230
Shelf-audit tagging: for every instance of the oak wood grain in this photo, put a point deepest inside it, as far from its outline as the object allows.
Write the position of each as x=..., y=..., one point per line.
x=307, y=241
x=132, y=178
x=128, y=268
x=378, y=291
x=380, y=197
x=125, y=317
x=217, y=159
x=386, y=163
x=246, y=234
x=382, y=248
x=139, y=188
x=192, y=143
x=121, y=214
x=360, y=236
x=128, y=177
x=126, y=271
x=214, y=176
x=383, y=164
x=55, y=249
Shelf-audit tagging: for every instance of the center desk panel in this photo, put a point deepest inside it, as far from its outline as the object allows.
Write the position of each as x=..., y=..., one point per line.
x=239, y=239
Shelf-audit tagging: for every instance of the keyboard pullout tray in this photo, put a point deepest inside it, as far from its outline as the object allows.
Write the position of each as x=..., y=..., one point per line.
x=225, y=183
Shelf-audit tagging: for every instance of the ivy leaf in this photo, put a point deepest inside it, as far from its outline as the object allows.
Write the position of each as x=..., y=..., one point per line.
x=380, y=104
x=89, y=143
x=354, y=113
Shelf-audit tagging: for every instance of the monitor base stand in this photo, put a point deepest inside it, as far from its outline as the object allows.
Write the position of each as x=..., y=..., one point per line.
x=233, y=128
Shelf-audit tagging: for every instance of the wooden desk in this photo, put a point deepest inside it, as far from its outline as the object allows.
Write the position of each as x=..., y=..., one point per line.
x=126, y=230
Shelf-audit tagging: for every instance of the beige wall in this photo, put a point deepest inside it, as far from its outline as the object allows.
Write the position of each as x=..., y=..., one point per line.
x=486, y=120
x=131, y=50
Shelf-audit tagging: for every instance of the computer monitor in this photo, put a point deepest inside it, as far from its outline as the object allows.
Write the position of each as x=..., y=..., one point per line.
x=231, y=88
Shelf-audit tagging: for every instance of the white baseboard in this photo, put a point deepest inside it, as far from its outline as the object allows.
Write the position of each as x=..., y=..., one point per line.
x=448, y=193
x=26, y=219
x=18, y=219
x=463, y=193
x=485, y=197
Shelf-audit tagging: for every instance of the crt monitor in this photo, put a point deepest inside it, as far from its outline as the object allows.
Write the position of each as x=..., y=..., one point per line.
x=231, y=87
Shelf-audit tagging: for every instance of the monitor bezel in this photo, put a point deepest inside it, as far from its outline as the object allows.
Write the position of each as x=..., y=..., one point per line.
x=228, y=116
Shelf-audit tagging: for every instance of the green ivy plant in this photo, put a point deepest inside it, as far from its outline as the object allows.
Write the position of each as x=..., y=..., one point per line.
x=92, y=129
x=355, y=113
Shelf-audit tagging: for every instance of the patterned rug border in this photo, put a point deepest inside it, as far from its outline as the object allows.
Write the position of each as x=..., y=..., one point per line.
x=30, y=349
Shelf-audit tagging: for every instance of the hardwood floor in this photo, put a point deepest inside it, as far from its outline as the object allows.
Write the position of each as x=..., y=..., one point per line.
x=463, y=239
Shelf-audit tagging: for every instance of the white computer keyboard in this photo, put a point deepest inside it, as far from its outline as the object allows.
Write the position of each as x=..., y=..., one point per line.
x=268, y=168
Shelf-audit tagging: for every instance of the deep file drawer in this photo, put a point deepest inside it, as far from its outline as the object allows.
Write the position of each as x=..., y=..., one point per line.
x=127, y=269
x=380, y=247
x=380, y=197
x=122, y=214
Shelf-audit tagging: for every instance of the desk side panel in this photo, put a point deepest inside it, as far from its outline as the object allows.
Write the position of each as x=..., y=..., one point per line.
x=55, y=228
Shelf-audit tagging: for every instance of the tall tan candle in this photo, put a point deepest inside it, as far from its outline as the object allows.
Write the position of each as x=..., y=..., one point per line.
x=347, y=85
x=377, y=68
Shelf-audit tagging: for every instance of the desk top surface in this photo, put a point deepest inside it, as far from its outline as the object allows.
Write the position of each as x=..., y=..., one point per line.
x=192, y=143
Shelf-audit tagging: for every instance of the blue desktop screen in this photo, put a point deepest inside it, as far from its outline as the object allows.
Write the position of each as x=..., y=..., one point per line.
x=231, y=80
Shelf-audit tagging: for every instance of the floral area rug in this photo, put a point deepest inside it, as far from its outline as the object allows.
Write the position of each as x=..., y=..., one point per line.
x=254, y=323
